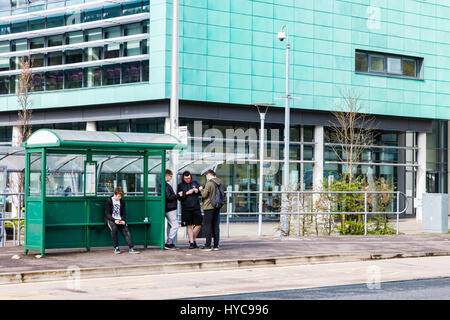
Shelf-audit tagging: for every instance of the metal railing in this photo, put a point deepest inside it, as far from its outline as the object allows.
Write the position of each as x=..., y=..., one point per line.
x=300, y=205
x=298, y=197
x=7, y=218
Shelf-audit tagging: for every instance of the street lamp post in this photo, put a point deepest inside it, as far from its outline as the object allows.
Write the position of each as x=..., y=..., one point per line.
x=262, y=116
x=284, y=35
x=174, y=103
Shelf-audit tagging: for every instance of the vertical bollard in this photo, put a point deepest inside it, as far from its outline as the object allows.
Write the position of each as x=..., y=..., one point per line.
x=365, y=213
x=298, y=212
x=398, y=207
x=228, y=214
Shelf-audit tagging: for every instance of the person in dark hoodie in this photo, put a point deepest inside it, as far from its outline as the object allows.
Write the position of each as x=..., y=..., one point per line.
x=171, y=213
x=211, y=214
x=191, y=215
x=116, y=219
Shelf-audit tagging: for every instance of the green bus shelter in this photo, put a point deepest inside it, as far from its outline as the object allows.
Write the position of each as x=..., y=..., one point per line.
x=70, y=174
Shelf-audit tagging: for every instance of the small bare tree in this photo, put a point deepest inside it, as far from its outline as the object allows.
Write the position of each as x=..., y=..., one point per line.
x=23, y=128
x=26, y=88
x=351, y=131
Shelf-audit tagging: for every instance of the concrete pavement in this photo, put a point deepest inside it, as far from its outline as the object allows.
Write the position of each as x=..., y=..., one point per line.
x=235, y=252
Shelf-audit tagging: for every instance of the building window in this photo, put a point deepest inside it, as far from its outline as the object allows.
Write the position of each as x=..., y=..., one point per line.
x=74, y=79
x=54, y=59
x=131, y=72
x=388, y=65
x=111, y=75
x=55, y=41
x=55, y=21
x=92, y=77
x=74, y=56
x=4, y=85
x=37, y=60
x=36, y=43
x=55, y=80
x=38, y=82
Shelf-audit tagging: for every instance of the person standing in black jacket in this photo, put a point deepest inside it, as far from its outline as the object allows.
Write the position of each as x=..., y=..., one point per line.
x=191, y=215
x=171, y=213
x=115, y=219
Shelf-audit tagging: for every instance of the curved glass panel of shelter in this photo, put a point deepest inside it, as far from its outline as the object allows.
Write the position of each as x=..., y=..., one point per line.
x=65, y=174
x=120, y=171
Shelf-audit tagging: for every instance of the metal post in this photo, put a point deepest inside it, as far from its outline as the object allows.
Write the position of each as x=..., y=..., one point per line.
x=365, y=213
x=229, y=207
x=398, y=207
x=262, y=116
x=261, y=172
x=287, y=122
x=174, y=103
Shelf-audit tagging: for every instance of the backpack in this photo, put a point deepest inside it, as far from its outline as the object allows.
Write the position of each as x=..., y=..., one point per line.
x=218, y=198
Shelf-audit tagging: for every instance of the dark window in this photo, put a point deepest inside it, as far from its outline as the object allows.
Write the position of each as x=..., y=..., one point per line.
x=37, y=60
x=93, y=15
x=19, y=27
x=54, y=80
x=55, y=41
x=74, y=78
x=36, y=43
x=111, y=12
x=409, y=67
x=388, y=64
x=132, y=8
x=145, y=70
x=4, y=85
x=56, y=21
x=39, y=81
x=92, y=77
x=74, y=56
x=54, y=59
x=361, y=61
x=5, y=29
x=146, y=6
x=37, y=24
x=114, y=125
x=111, y=75
x=131, y=72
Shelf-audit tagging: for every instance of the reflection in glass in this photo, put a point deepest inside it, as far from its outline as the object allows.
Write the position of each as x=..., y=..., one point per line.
x=4, y=85
x=154, y=175
x=39, y=81
x=92, y=77
x=55, y=80
x=409, y=67
x=377, y=63
x=34, y=188
x=361, y=61
x=120, y=171
x=131, y=72
x=74, y=78
x=111, y=74
x=65, y=174
x=394, y=65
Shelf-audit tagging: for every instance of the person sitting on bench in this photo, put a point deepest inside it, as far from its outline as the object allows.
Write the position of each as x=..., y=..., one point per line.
x=115, y=218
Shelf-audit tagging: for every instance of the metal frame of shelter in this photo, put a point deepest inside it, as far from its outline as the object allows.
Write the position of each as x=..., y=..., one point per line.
x=56, y=220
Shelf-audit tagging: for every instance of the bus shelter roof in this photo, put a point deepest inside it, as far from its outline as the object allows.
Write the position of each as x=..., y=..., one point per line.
x=102, y=140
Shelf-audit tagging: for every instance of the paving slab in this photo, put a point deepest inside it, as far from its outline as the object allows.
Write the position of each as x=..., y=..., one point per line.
x=235, y=252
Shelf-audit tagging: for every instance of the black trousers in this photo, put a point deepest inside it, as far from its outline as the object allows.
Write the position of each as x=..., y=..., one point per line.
x=123, y=229
x=211, y=225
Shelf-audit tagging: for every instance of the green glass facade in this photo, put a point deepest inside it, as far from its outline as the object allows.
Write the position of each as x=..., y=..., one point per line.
x=394, y=54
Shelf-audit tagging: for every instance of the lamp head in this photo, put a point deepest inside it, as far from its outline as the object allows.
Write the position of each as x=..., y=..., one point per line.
x=281, y=36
